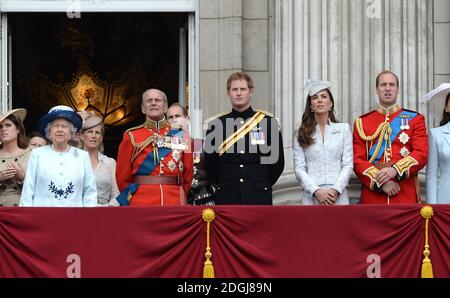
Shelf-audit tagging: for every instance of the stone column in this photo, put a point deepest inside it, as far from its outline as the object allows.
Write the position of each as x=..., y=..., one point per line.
x=220, y=51
x=234, y=36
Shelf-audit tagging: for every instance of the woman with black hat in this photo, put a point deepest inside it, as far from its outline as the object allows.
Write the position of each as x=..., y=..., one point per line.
x=59, y=175
x=13, y=156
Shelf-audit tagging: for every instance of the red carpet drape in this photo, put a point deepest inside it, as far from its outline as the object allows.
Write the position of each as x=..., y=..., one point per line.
x=246, y=241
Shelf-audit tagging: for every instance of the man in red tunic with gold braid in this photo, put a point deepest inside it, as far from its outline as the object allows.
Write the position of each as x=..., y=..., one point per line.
x=390, y=147
x=154, y=163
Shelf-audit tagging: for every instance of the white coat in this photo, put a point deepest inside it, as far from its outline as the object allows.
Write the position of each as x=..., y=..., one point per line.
x=325, y=164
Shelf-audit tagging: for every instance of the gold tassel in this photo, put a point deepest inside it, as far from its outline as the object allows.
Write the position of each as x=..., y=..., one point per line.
x=208, y=269
x=427, y=268
x=129, y=196
x=155, y=155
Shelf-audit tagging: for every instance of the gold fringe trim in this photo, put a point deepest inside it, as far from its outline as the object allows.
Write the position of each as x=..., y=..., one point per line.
x=208, y=215
x=427, y=269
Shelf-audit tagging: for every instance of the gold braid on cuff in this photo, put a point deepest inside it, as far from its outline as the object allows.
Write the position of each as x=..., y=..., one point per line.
x=404, y=165
x=371, y=172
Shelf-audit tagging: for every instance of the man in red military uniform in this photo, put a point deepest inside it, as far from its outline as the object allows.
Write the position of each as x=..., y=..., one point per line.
x=154, y=163
x=390, y=147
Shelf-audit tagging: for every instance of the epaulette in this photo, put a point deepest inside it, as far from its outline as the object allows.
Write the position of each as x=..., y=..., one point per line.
x=365, y=115
x=134, y=128
x=266, y=113
x=411, y=111
x=215, y=117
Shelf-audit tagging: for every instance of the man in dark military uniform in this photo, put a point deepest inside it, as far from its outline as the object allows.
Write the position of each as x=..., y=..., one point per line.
x=243, y=149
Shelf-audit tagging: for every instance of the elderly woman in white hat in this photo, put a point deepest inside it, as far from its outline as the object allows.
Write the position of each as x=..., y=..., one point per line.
x=323, y=152
x=438, y=166
x=13, y=156
x=104, y=167
x=59, y=175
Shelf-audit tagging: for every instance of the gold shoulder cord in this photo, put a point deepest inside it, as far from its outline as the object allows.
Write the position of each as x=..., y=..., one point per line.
x=383, y=133
x=138, y=147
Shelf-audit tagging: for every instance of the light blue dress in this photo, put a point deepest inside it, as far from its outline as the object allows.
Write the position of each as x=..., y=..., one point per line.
x=59, y=179
x=438, y=166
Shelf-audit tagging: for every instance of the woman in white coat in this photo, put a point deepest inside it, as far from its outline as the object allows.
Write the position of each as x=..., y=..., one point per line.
x=59, y=175
x=438, y=167
x=323, y=153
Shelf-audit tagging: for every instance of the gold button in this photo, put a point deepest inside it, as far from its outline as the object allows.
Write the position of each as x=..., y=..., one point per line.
x=242, y=122
x=242, y=180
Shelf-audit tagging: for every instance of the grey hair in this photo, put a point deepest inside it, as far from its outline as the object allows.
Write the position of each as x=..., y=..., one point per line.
x=49, y=125
x=164, y=96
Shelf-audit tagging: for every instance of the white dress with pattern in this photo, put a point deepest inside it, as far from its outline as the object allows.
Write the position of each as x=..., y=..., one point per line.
x=328, y=163
x=59, y=179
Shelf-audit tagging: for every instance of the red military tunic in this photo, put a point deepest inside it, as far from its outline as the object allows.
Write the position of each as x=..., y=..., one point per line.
x=401, y=137
x=136, y=152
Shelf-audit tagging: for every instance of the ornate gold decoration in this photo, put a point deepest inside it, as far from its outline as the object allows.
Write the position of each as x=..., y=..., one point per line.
x=117, y=102
x=389, y=111
x=404, y=165
x=371, y=172
x=427, y=213
x=208, y=215
x=241, y=132
x=383, y=133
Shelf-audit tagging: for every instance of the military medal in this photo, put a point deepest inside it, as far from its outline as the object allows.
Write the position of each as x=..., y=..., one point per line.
x=404, y=152
x=178, y=143
x=407, y=124
x=262, y=140
x=404, y=138
x=176, y=155
x=402, y=127
x=196, y=157
x=254, y=138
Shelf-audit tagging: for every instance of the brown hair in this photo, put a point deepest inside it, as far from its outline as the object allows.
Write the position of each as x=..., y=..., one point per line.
x=446, y=115
x=176, y=104
x=309, y=123
x=240, y=76
x=22, y=140
x=383, y=73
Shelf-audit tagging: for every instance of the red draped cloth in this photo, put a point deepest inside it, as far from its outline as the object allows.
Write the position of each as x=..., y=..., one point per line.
x=246, y=241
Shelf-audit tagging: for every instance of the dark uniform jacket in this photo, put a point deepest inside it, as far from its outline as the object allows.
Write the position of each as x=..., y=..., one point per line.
x=202, y=191
x=240, y=173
